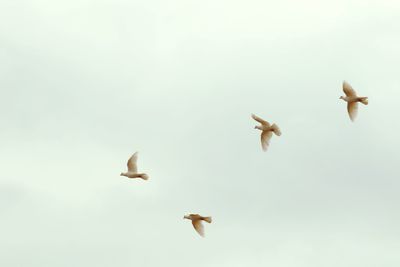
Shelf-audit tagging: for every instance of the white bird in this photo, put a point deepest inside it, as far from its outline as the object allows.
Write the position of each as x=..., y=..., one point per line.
x=197, y=222
x=132, y=169
x=352, y=100
x=267, y=131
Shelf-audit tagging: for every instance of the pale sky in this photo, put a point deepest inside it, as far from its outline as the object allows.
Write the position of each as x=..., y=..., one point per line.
x=85, y=83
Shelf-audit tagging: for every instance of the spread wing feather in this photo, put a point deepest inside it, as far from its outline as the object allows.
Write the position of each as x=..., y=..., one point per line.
x=348, y=90
x=132, y=167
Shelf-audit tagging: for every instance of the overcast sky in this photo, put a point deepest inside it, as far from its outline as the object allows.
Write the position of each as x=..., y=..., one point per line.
x=86, y=83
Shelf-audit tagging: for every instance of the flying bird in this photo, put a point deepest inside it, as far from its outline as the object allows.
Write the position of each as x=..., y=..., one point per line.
x=267, y=131
x=132, y=169
x=352, y=100
x=197, y=222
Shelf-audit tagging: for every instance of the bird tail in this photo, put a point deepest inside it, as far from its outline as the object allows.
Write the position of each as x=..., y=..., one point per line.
x=144, y=176
x=276, y=129
x=364, y=100
x=207, y=219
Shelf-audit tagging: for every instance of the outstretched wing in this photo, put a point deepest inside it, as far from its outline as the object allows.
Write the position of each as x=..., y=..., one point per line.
x=265, y=137
x=352, y=109
x=263, y=122
x=132, y=167
x=348, y=90
x=198, y=226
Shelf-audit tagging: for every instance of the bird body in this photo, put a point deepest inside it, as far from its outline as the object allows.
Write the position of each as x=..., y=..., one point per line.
x=267, y=131
x=197, y=222
x=135, y=175
x=132, y=169
x=352, y=100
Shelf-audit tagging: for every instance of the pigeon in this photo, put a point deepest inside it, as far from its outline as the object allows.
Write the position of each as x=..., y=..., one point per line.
x=267, y=131
x=196, y=221
x=352, y=100
x=132, y=169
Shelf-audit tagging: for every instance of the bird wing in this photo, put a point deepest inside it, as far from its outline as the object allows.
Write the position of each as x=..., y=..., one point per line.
x=132, y=167
x=265, y=137
x=198, y=226
x=352, y=108
x=263, y=122
x=348, y=90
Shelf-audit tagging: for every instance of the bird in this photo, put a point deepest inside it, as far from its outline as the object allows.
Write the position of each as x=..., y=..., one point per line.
x=132, y=169
x=197, y=222
x=352, y=100
x=267, y=131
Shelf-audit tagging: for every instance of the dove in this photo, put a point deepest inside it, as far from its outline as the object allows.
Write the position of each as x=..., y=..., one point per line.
x=267, y=131
x=352, y=100
x=197, y=222
x=132, y=169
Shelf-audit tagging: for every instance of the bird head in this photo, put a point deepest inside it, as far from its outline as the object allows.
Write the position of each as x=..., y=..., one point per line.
x=186, y=217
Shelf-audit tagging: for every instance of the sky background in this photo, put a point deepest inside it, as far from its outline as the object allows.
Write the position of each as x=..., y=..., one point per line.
x=84, y=84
